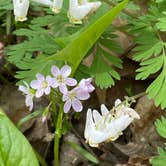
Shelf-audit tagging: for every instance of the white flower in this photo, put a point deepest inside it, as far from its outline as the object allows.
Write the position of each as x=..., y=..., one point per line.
x=57, y=5
x=20, y=9
x=77, y=11
x=29, y=95
x=108, y=125
x=44, y=2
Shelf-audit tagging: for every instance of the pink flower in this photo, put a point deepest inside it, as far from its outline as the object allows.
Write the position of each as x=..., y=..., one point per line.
x=61, y=77
x=86, y=85
x=72, y=99
x=29, y=94
x=43, y=85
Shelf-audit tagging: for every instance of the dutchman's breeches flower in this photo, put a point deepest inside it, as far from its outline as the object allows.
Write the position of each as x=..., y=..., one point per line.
x=77, y=11
x=20, y=9
x=57, y=5
x=108, y=125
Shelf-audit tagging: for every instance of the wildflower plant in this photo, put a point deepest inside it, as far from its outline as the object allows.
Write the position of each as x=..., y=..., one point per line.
x=66, y=33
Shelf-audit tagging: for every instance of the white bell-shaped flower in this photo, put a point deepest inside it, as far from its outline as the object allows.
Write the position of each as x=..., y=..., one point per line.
x=44, y=2
x=77, y=11
x=20, y=9
x=57, y=5
x=108, y=125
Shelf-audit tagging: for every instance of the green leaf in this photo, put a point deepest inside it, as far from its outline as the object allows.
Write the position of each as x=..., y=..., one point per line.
x=102, y=70
x=159, y=160
x=161, y=126
x=83, y=152
x=29, y=117
x=74, y=51
x=15, y=150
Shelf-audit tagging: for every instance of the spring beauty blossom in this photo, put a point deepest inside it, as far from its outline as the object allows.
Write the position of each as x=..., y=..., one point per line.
x=74, y=97
x=29, y=95
x=108, y=125
x=60, y=81
x=43, y=85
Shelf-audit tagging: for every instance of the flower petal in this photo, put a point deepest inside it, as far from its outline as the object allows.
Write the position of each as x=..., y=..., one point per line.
x=65, y=97
x=52, y=82
x=47, y=90
x=67, y=106
x=63, y=88
x=39, y=93
x=23, y=89
x=71, y=81
x=65, y=71
x=55, y=71
x=40, y=77
x=81, y=94
x=104, y=110
x=77, y=105
x=35, y=84
x=96, y=116
x=29, y=102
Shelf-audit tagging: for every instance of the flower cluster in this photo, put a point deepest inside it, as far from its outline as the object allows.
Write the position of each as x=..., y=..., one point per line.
x=78, y=10
x=108, y=125
x=60, y=79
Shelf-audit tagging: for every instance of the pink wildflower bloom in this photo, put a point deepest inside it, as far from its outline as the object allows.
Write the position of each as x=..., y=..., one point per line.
x=43, y=85
x=62, y=79
x=86, y=85
x=29, y=94
x=72, y=99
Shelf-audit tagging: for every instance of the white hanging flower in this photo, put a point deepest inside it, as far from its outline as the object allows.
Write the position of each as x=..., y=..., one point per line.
x=77, y=11
x=20, y=9
x=57, y=5
x=108, y=125
x=44, y=2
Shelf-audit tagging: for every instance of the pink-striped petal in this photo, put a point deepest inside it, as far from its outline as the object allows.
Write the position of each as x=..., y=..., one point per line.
x=67, y=106
x=63, y=88
x=35, y=84
x=23, y=89
x=40, y=77
x=55, y=71
x=82, y=95
x=39, y=93
x=47, y=90
x=71, y=81
x=77, y=105
x=66, y=70
x=65, y=97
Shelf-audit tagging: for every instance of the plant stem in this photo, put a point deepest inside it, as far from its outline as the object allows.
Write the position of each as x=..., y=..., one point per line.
x=58, y=134
x=8, y=22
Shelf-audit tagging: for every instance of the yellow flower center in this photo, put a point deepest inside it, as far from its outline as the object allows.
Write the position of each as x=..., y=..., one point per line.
x=60, y=79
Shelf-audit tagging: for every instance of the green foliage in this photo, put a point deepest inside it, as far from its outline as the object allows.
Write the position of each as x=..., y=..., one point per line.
x=161, y=25
x=161, y=126
x=161, y=159
x=75, y=47
x=14, y=148
x=150, y=50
